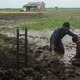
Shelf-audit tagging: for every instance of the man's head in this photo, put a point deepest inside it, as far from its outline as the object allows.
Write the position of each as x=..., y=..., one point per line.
x=65, y=27
x=75, y=39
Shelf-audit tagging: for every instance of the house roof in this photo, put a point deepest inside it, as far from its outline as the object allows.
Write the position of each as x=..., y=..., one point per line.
x=33, y=4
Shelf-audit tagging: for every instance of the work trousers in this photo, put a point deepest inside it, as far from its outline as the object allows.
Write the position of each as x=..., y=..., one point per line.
x=58, y=46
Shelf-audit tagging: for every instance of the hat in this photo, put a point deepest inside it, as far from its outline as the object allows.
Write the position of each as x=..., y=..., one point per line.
x=66, y=25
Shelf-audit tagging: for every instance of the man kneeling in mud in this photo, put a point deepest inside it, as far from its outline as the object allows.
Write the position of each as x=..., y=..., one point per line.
x=76, y=59
x=56, y=37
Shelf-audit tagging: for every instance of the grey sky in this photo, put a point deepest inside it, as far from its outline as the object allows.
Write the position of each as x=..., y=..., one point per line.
x=49, y=3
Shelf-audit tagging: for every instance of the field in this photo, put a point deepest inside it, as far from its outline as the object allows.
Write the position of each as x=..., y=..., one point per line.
x=50, y=18
x=41, y=65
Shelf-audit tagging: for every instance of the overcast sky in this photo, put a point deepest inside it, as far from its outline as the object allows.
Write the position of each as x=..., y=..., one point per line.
x=48, y=3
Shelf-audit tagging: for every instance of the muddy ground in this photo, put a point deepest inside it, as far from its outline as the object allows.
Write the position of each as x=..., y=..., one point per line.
x=41, y=65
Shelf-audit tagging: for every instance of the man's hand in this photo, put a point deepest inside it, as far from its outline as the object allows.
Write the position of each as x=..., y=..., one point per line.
x=53, y=53
x=71, y=59
x=79, y=38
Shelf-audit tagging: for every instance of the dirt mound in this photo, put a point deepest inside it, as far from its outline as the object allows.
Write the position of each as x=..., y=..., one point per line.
x=41, y=64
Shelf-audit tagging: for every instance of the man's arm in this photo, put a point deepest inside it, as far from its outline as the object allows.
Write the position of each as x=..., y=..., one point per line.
x=77, y=52
x=52, y=52
x=72, y=59
x=71, y=33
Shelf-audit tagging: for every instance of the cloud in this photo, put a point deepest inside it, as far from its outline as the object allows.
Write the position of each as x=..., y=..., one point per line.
x=49, y=3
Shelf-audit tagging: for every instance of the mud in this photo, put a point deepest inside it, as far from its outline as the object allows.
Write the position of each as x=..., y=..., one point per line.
x=17, y=16
x=41, y=64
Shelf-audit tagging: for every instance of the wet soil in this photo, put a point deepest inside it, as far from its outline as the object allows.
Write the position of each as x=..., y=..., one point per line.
x=41, y=64
x=41, y=12
x=17, y=16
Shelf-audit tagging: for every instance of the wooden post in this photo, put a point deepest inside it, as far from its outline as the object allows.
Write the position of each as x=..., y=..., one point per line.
x=17, y=47
x=26, y=47
x=25, y=51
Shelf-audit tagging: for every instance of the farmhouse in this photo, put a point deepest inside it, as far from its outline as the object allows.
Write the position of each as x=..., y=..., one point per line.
x=34, y=6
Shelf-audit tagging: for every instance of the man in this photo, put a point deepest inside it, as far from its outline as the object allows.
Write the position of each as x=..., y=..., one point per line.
x=77, y=41
x=58, y=34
